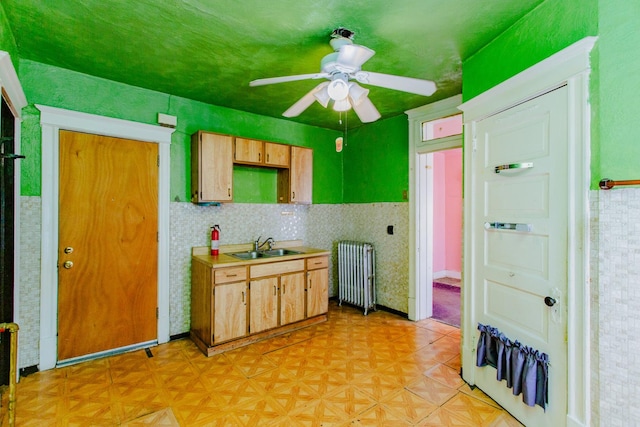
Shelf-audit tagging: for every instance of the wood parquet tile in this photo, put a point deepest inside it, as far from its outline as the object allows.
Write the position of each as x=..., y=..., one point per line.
x=353, y=370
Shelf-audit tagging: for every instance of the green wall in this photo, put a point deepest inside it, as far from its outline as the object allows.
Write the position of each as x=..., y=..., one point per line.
x=617, y=91
x=376, y=162
x=552, y=26
x=57, y=87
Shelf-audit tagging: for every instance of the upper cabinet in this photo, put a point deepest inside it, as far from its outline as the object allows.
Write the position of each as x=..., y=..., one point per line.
x=213, y=156
x=248, y=151
x=301, y=175
x=211, y=167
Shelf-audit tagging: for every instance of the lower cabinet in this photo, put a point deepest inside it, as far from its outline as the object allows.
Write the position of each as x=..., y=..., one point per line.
x=264, y=304
x=235, y=306
x=317, y=286
x=230, y=311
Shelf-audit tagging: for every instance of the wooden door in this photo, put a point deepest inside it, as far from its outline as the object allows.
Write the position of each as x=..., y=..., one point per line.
x=108, y=238
x=317, y=292
x=230, y=311
x=263, y=306
x=519, y=242
x=291, y=298
x=301, y=175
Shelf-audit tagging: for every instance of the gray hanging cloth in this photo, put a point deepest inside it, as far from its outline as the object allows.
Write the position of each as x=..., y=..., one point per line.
x=525, y=370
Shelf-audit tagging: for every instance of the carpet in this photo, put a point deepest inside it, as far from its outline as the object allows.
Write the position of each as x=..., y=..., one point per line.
x=446, y=304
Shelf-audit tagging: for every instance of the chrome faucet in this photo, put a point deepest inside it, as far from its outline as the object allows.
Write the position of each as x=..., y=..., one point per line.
x=257, y=245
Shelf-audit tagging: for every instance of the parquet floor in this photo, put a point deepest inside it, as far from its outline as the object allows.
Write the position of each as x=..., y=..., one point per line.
x=353, y=370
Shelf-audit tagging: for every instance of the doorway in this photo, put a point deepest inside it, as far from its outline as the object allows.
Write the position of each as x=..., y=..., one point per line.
x=7, y=220
x=446, y=197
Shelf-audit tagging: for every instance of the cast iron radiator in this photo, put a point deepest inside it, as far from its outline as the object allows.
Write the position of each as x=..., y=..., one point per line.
x=357, y=274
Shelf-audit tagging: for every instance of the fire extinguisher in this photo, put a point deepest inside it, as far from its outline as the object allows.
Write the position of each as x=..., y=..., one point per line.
x=215, y=239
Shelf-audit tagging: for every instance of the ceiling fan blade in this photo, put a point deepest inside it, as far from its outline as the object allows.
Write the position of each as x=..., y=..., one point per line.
x=273, y=80
x=304, y=102
x=404, y=84
x=352, y=56
x=366, y=111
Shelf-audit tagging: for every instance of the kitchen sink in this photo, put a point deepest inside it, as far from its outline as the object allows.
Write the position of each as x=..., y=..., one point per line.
x=264, y=254
x=280, y=252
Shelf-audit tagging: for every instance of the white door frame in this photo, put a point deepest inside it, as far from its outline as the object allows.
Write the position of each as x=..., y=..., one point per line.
x=571, y=67
x=421, y=202
x=52, y=121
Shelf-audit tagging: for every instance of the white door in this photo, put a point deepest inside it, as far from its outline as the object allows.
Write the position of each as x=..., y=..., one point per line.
x=519, y=181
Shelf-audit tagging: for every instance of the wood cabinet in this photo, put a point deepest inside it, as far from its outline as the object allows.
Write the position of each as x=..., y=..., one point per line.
x=235, y=306
x=230, y=311
x=218, y=304
x=292, y=305
x=263, y=312
x=213, y=156
x=301, y=175
x=211, y=167
x=276, y=154
x=248, y=151
x=317, y=286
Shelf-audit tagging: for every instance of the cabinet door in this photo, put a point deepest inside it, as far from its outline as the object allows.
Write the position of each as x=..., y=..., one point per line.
x=211, y=168
x=276, y=154
x=230, y=311
x=248, y=151
x=317, y=292
x=301, y=175
x=264, y=304
x=291, y=298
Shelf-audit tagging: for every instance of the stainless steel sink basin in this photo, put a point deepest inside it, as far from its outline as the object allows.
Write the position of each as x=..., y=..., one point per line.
x=264, y=254
x=280, y=252
x=247, y=255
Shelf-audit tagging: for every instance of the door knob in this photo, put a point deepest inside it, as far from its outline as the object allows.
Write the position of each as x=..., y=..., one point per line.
x=68, y=264
x=550, y=301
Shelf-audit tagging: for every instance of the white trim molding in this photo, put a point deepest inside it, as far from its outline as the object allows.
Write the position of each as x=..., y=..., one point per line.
x=52, y=120
x=570, y=67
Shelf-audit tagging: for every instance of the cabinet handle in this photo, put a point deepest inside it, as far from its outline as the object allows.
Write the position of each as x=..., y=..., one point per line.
x=274, y=291
x=232, y=275
x=243, y=297
x=267, y=157
x=284, y=289
x=229, y=192
x=294, y=195
x=259, y=155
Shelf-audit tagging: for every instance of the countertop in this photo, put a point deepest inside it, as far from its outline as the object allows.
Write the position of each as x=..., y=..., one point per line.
x=202, y=254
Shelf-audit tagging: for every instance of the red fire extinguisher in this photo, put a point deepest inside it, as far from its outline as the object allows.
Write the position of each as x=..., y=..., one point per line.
x=215, y=239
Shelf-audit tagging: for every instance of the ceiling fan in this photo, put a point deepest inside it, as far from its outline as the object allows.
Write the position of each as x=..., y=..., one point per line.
x=340, y=68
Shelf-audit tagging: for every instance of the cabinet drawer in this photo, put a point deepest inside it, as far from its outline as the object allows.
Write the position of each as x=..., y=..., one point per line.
x=274, y=268
x=226, y=275
x=317, y=262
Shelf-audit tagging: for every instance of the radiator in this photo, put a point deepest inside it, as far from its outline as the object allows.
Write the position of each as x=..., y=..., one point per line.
x=357, y=274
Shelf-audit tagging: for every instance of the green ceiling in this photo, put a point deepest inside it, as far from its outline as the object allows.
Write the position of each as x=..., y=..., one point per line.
x=209, y=50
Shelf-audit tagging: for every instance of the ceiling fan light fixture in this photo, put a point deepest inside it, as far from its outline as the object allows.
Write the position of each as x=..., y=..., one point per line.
x=357, y=93
x=338, y=89
x=342, y=105
x=322, y=96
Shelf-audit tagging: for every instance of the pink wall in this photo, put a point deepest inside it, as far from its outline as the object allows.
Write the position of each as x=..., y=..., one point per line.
x=447, y=210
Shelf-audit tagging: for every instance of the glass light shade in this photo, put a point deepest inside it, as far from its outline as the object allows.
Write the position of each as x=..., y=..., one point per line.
x=338, y=89
x=357, y=93
x=322, y=96
x=342, y=105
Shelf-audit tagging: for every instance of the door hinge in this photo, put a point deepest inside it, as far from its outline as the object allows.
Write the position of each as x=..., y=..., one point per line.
x=157, y=236
x=157, y=313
